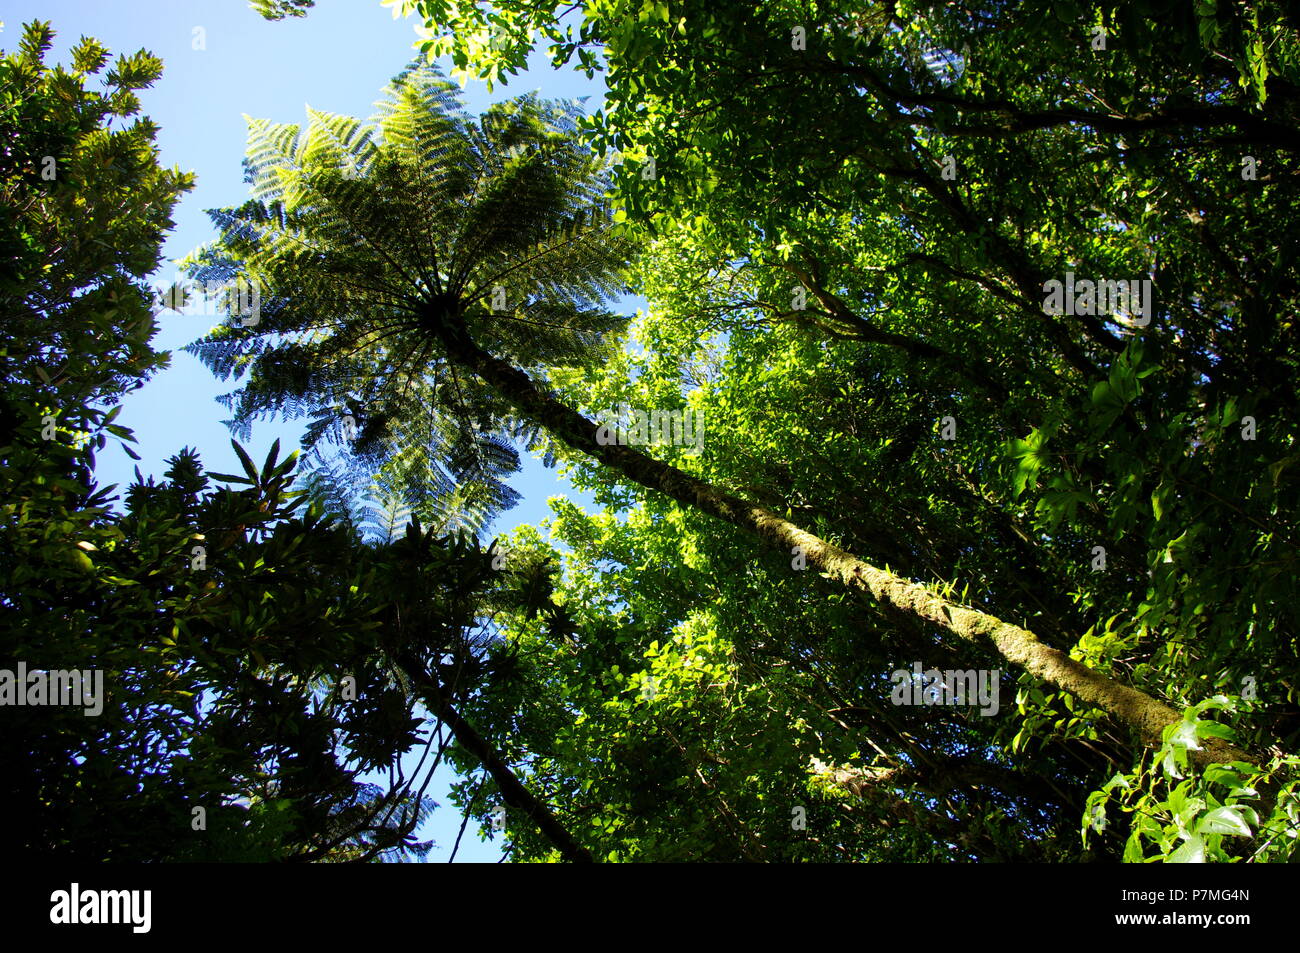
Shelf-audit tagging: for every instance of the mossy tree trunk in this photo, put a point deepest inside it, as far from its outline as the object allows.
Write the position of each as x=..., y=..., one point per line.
x=1145, y=715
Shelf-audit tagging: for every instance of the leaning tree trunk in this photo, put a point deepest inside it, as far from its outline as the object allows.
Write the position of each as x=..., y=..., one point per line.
x=512, y=789
x=1146, y=715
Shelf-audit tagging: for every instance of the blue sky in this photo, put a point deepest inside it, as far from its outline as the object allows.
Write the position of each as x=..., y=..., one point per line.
x=223, y=61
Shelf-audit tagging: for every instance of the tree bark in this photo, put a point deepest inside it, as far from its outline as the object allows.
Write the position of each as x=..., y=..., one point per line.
x=1144, y=714
x=512, y=789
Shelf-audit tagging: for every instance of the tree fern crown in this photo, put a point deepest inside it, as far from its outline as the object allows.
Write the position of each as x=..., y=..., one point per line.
x=374, y=242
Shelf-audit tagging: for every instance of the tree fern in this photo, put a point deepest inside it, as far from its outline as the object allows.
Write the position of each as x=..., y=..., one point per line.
x=358, y=234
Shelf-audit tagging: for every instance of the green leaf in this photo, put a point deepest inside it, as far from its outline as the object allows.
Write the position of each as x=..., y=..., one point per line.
x=230, y=478
x=246, y=462
x=268, y=468
x=1192, y=851
x=1224, y=820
